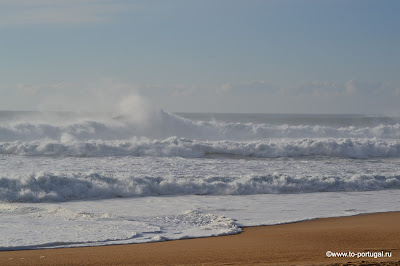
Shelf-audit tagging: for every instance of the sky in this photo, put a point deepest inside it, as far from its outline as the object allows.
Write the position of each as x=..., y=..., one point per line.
x=251, y=56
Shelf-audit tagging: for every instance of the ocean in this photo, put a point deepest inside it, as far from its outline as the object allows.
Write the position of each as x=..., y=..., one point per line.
x=87, y=179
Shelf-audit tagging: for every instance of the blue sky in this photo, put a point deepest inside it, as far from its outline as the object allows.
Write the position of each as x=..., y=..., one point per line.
x=269, y=56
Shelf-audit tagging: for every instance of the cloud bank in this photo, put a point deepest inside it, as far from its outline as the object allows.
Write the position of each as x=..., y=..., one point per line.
x=111, y=96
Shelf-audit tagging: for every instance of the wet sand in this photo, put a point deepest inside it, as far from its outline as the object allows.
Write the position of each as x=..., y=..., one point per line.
x=302, y=243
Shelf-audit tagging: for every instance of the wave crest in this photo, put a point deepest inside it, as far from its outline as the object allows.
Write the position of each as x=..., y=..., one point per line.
x=171, y=147
x=162, y=125
x=53, y=187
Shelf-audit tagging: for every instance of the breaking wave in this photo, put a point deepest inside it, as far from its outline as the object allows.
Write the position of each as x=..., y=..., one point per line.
x=53, y=187
x=171, y=147
x=165, y=134
x=164, y=125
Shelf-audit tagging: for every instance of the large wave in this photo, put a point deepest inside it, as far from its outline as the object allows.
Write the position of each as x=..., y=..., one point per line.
x=162, y=125
x=53, y=187
x=165, y=134
x=171, y=147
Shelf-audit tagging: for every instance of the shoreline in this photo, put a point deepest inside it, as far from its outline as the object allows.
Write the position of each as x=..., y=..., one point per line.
x=303, y=242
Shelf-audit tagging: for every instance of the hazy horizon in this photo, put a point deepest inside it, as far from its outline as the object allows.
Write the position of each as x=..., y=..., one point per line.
x=218, y=113
x=303, y=57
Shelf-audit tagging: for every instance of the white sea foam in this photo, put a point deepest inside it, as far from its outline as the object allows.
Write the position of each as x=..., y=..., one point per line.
x=80, y=228
x=165, y=134
x=133, y=178
x=170, y=147
x=149, y=219
x=51, y=187
x=161, y=125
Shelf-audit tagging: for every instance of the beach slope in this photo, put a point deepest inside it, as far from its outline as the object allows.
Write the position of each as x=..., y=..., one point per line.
x=302, y=243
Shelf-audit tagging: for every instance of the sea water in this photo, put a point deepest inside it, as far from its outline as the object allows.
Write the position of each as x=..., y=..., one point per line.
x=70, y=179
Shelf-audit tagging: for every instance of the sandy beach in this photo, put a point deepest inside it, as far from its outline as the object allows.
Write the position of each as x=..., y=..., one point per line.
x=302, y=243
x=230, y=132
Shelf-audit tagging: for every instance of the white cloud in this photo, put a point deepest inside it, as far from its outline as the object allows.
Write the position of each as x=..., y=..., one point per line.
x=368, y=87
x=253, y=86
x=313, y=88
x=29, y=89
x=351, y=87
x=24, y=12
x=183, y=91
x=348, y=88
x=101, y=96
x=224, y=88
x=106, y=96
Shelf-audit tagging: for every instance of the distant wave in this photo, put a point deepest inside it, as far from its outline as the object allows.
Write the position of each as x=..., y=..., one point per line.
x=164, y=125
x=172, y=147
x=54, y=187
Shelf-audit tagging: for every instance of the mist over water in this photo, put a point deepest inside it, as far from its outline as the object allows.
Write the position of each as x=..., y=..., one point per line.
x=138, y=129
x=65, y=169
x=95, y=156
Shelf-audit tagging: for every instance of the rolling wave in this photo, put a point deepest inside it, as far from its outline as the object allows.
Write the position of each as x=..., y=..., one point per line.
x=55, y=187
x=173, y=147
x=164, y=125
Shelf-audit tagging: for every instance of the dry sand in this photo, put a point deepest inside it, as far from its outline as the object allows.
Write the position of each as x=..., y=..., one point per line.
x=303, y=243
